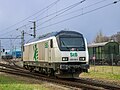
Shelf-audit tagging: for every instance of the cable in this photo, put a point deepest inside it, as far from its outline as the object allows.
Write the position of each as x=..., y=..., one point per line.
x=32, y=15
x=43, y=11
x=68, y=13
x=63, y=11
x=80, y=14
x=78, y=10
x=70, y=7
x=11, y=31
x=66, y=9
x=71, y=12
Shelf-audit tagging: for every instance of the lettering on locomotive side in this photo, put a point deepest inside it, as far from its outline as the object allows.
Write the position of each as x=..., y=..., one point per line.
x=35, y=52
x=46, y=45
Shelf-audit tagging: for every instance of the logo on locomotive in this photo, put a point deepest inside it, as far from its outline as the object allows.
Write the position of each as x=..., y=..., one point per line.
x=73, y=54
x=35, y=52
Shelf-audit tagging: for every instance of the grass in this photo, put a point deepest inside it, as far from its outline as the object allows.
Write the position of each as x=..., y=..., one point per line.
x=98, y=75
x=21, y=87
x=106, y=69
x=103, y=73
x=98, y=72
x=11, y=83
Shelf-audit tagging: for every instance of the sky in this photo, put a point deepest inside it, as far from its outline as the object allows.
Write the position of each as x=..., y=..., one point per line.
x=88, y=18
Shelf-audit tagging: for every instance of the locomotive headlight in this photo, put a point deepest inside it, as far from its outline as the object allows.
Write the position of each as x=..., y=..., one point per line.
x=64, y=58
x=82, y=58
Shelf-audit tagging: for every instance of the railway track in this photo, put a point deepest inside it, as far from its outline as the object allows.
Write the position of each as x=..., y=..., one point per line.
x=77, y=83
x=97, y=83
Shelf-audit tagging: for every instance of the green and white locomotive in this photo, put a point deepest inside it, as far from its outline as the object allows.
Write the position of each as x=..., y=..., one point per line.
x=63, y=54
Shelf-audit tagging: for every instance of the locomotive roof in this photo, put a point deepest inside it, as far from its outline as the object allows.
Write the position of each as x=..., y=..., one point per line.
x=53, y=34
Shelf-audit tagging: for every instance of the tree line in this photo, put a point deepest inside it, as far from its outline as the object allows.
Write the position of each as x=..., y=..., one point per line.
x=100, y=37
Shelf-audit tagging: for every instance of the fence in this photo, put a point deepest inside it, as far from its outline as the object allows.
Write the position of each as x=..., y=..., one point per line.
x=105, y=69
x=105, y=63
x=104, y=59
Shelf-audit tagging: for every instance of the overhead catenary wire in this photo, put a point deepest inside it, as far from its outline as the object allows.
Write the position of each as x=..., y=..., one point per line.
x=67, y=13
x=55, y=13
x=46, y=8
x=76, y=16
x=63, y=11
x=80, y=14
x=70, y=12
x=60, y=12
x=82, y=9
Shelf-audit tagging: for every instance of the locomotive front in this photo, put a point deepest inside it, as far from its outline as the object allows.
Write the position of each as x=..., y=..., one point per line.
x=73, y=53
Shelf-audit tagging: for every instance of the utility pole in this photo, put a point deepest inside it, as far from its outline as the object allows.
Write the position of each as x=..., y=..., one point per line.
x=22, y=44
x=34, y=28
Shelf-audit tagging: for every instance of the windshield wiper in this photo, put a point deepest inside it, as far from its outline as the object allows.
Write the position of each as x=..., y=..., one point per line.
x=65, y=45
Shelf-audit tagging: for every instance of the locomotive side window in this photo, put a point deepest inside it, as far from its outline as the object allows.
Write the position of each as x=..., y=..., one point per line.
x=23, y=48
x=51, y=43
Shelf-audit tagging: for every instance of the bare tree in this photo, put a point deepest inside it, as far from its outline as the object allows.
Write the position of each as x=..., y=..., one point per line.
x=101, y=38
x=116, y=37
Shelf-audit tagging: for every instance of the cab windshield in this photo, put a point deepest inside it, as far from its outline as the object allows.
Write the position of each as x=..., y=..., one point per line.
x=72, y=43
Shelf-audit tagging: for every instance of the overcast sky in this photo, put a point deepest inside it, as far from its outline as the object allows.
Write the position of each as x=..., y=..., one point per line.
x=17, y=13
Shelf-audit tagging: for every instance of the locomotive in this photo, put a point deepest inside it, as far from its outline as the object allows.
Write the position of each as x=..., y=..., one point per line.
x=62, y=54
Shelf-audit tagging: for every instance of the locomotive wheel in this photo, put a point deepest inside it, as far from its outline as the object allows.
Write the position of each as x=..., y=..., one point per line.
x=50, y=72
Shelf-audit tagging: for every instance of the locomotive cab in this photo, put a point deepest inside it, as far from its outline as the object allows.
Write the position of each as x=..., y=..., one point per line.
x=74, y=54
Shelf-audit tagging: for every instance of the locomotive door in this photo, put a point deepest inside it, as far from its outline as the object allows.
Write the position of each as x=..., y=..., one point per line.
x=48, y=50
